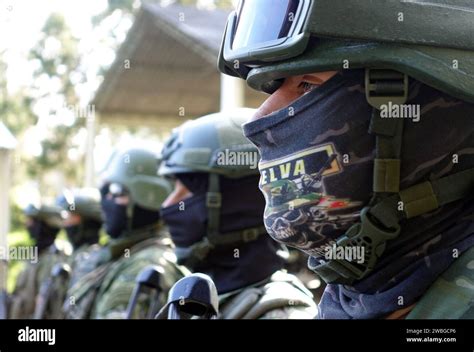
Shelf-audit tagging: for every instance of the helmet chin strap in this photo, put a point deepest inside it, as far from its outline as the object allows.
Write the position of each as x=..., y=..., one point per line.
x=380, y=221
x=213, y=204
x=130, y=212
x=200, y=250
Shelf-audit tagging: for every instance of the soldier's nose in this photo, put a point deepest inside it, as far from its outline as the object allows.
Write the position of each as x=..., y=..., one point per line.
x=282, y=97
x=292, y=88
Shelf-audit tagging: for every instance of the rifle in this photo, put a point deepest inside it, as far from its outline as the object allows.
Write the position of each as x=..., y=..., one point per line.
x=149, y=278
x=193, y=295
x=60, y=273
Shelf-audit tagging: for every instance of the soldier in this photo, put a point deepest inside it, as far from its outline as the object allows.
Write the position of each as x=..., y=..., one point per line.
x=214, y=217
x=131, y=196
x=82, y=221
x=391, y=230
x=43, y=224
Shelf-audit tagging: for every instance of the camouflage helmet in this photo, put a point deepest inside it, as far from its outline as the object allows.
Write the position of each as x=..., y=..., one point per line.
x=211, y=144
x=50, y=214
x=84, y=202
x=135, y=169
x=266, y=41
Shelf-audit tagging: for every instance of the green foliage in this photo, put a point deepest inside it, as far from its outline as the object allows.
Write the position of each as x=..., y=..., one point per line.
x=16, y=239
x=17, y=218
x=59, y=61
x=15, y=110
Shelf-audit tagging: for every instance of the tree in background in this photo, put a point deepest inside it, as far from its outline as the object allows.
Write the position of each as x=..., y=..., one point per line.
x=58, y=73
x=17, y=115
x=15, y=109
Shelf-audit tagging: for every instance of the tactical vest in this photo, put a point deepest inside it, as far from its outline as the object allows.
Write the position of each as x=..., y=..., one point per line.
x=283, y=296
x=118, y=285
x=53, y=291
x=23, y=300
x=82, y=297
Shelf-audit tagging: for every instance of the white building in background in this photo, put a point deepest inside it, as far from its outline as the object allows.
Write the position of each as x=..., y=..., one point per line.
x=7, y=145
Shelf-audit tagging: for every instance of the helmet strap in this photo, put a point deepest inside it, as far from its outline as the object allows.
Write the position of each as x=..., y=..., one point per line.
x=213, y=204
x=200, y=250
x=130, y=208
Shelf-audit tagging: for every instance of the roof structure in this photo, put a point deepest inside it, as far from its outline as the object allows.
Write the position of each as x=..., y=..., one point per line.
x=166, y=69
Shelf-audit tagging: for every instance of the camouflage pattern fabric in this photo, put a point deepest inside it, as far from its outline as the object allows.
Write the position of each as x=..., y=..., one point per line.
x=282, y=297
x=105, y=291
x=313, y=199
x=29, y=281
x=115, y=292
x=452, y=295
x=84, y=260
x=54, y=290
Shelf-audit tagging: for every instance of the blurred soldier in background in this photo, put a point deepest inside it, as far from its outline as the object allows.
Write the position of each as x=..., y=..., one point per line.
x=82, y=220
x=43, y=224
x=131, y=196
x=214, y=217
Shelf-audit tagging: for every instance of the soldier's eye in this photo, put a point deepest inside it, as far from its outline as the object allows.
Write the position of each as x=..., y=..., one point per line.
x=307, y=87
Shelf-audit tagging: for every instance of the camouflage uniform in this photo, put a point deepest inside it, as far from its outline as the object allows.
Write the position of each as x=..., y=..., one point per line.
x=84, y=260
x=452, y=294
x=53, y=290
x=43, y=224
x=84, y=236
x=28, y=284
x=104, y=293
x=283, y=296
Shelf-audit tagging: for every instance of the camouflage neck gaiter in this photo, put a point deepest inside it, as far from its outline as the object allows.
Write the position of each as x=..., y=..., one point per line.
x=316, y=175
x=316, y=166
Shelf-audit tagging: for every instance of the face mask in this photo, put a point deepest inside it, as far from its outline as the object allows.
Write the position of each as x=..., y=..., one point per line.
x=73, y=233
x=241, y=208
x=42, y=234
x=115, y=217
x=316, y=168
x=187, y=222
x=143, y=217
